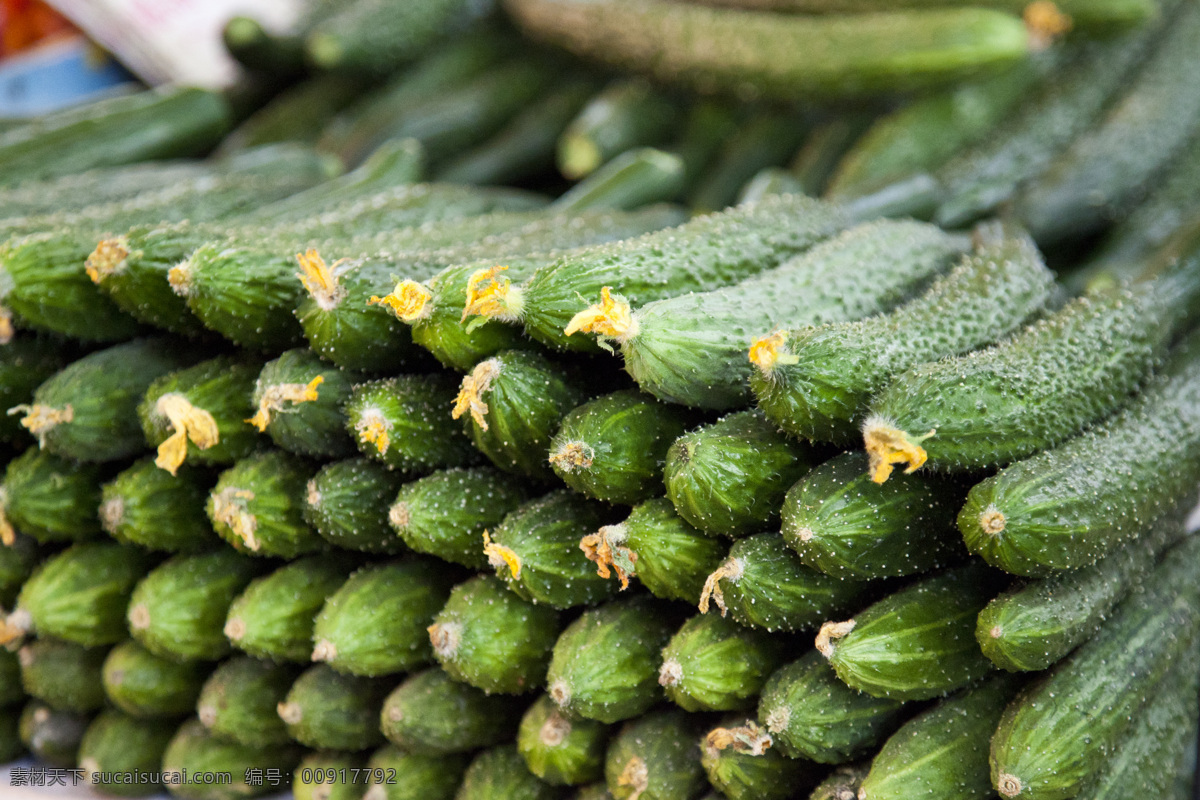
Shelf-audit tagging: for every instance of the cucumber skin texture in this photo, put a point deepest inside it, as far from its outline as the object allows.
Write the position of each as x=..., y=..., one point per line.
x=66, y=676
x=1060, y=511
x=842, y=523
x=136, y=503
x=731, y=477
x=194, y=749
x=238, y=701
x=845, y=56
x=769, y=775
x=117, y=743
x=691, y=349
x=431, y=714
x=50, y=498
x=722, y=665
x=144, y=685
x=1039, y=739
x=559, y=750
x=315, y=427
x=330, y=711
x=665, y=744
x=988, y=295
x=344, y=503
x=499, y=772
x=418, y=777
x=269, y=490
x=25, y=363
x=50, y=735
x=702, y=254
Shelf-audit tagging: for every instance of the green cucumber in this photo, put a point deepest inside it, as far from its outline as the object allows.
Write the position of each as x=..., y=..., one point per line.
x=632, y=179
x=593, y=791
x=769, y=181
x=500, y=774
x=692, y=349
x=764, y=584
x=178, y=610
x=11, y=690
x=1056, y=510
x=741, y=764
x=811, y=714
x=239, y=700
x=52, y=736
x=148, y=506
x=49, y=498
x=670, y=557
x=816, y=383
x=18, y=559
x=375, y=624
x=605, y=664
x=344, y=503
x=122, y=755
x=297, y=114
x=326, y=775
x=63, y=675
x=193, y=751
x=535, y=550
x=825, y=145
x=446, y=513
x=257, y=506
x=11, y=747
x=767, y=139
x=1060, y=732
x=488, y=637
x=731, y=477
x=709, y=123
x=842, y=784
x=432, y=714
x=628, y=113
x=917, y=643
x=25, y=363
x=1090, y=15
x=273, y=617
x=714, y=664
x=298, y=398
x=144, y=685
x=395, y=774
x=403, y=422
x=559, y=750
x=844, y=524
x=328, y=710
x=655, y=758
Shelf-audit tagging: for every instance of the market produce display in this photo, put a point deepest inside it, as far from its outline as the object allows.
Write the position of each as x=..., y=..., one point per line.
x=600, y=399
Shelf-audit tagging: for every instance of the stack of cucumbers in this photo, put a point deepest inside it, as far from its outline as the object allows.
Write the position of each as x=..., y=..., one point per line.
x=809, y=410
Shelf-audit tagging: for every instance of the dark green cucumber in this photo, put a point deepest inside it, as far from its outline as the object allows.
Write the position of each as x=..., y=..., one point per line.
x=536, y=551
x=299, y=398
x=656, y=758
x=512, y=403
x=560, y=750
x=52, y=736
x=594, y=791
x=297, y=114
x=405, y=423
x=122, y=755
x=79, y=595
x=179, y=609
x=395, y=774
x=144, y=685
x=18, y=559
x=844, y=524
x=767, y=139
x=764, y=584
x=612, y=448
x=817, y=383
x=239, y=701
x=500, y=774
x=769, y=181
x=670, y=557
x=1058, y=510
x=257, y=506
x=741, y=764
x=376, y=623
x=344, y=503
x=605, y=664
x=824, y=147
x=811, y=714
x=11, y=746
x=692, y=349
x=632, y=179
x=200, y=412
x=1093, y=15
x=273, y=617
x=842, y=784
x=432, y=714
x=63, y=675
x=148, y=506
x=328, y=710
x=11, y=690
x=446, y=513
x=626, y=114
x=198, y=752
x=1059, y=733
x=714, y=664
x=731, y=477
x=25, y=363
x=49, y=498
x=328, y=775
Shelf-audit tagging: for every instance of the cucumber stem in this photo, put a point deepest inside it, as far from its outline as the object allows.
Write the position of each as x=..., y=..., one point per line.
x=325, y=650
x=1008, y=785
x=829, y=632
x=636, y=776
x=671, y=673
x=554, y=730
x=112, y=513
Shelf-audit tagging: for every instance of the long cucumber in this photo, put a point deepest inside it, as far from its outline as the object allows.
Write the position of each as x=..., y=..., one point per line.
x=626, y=114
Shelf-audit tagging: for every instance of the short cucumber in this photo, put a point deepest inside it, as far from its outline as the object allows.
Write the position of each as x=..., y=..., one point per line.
x=627, y=113
x=64, y=675
x=144, y=685
x=499, y=773
x=767, y=139
x=196, y=750
x=560, y=750
x=714, y=664
x=119, y=754
x=345, y=501
x=50, y=735
x=741, y=764
x=327, y=710
x=257, y=506
x=395, y=774
x=432, y=714
x=238, y=701
x=298, y=400
x=656, y=757
x=632, y=179
x=49, y=498
x=148, y=506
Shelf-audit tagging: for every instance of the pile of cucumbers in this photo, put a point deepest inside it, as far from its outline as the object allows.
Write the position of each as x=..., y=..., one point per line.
x=470, y=423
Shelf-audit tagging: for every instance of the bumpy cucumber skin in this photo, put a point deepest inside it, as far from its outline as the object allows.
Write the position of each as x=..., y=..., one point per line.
x=238, y=701
x=769, y=775
x=432, y=714
x=50, y=735
x=500, y=772
x=257, y=506
x=656, y=758
x=144, y=685
x=328, y=710
x=493, y=640
x=345, y=501
x=559, y=750
x=64, y=675
x=416, y=776
x=844, y=524
x=715, y=664
x=691, y=349
x=50, y=498
x=313, y=427
x=731, y=477
x=1058, y=733
x=119, y=744
x=148, y=506
x=375, y=624
x=197, y=751
x=824, y=395
x=24, y=364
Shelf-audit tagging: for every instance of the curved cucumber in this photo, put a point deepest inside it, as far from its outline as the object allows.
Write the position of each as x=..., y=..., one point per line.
x=257, y=506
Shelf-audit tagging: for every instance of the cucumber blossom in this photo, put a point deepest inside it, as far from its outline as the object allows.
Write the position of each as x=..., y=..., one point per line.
x=239, y=701
x=144, y=685
x=344, y=503
x=396, y=774
x=298, y=400
x=432, y=714
x=63, y=675
x=715, y=664
x=194, y=750
x=501, y=773
x=327, y=710
x=49, y=498
x=119, y=753
x=148, y=506
x=741, y=764
x=51, y=735
x=656, y=757
x=560, y=750
x=258, y=504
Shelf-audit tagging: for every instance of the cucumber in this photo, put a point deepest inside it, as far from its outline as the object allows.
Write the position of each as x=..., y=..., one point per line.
x=51, y=736
x=122, y=755
x=150, y=507
x=297, y=114
x=655, y=758
x=612, y=448
x=714, y=664
x=825, y=145
x=395, y=774
x=178, y=610
x=842, y=784
x=500, y=774
x=63, y=675
x=49, y=498
x=25, y=362
x=767, y=139
x=1068, y=370
x=769, y=181
x=812, y=714
x=691, y=349
x=817, y=383
x=593, y=791
x=842, y=523
x=17, y=562
x=144, y=685
x=344, y=503
x=731, y=477
x=299, y=399
x=11, y=690
x=741, y=764
x=327, y=710
x=324, y=775
x=1055, y=511
x=627, y=113
x=446, y=513
x=605, y=664
x=842, y=56
x=194, y=750
x=632, y=179
x=238, y=701
x=257, y=506
x=403, y=423
x=670, y=557
x=916, y=643
x=431, y=714
x=559, y=750
x=375, y=624
x=1040, y=748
